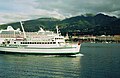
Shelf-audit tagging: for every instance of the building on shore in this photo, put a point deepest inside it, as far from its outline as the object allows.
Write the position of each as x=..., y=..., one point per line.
x=91, y=38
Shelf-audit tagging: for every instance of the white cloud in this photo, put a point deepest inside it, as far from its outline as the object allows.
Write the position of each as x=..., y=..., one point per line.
x=25, y=10
x=35, y=13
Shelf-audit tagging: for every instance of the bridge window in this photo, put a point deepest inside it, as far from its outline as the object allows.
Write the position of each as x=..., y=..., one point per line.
x=54, y=42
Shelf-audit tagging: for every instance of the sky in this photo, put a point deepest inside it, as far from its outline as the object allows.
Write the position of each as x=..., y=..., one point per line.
x=21, y=10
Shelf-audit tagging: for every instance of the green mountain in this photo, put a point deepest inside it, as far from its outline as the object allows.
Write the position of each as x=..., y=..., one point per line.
x=96, y=25
x=85, y=24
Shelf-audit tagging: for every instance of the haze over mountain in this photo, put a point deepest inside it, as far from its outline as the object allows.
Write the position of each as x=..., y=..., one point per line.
x=85, y=24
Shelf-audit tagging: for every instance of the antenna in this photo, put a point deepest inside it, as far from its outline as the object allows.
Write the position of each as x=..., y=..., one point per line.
x=23, y=29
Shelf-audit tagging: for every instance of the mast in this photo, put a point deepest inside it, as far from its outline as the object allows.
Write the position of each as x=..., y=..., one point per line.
x=57, y=29
x=23, y=29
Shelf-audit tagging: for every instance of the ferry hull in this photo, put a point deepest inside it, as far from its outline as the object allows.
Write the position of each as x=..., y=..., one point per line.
x=42, y=51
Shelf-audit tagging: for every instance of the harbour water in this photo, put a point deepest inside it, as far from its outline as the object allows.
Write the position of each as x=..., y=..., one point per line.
x=99, y=60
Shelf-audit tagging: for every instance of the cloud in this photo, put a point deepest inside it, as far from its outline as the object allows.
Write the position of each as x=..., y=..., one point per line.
x=16, y=10
x=76, y=6
x=24, y=10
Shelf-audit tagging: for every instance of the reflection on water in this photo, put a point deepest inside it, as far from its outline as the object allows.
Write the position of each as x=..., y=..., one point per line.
x=99, y=61
x=39, y=66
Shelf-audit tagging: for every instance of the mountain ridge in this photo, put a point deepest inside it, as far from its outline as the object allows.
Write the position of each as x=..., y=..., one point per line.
x=85, y=24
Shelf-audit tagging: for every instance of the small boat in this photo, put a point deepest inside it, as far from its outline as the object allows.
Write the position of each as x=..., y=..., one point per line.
x=43, y=42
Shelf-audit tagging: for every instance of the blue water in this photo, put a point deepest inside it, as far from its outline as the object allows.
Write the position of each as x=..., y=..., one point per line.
x=99, y=61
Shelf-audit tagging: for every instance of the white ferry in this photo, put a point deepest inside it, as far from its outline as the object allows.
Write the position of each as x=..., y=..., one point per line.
x=42, y=42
